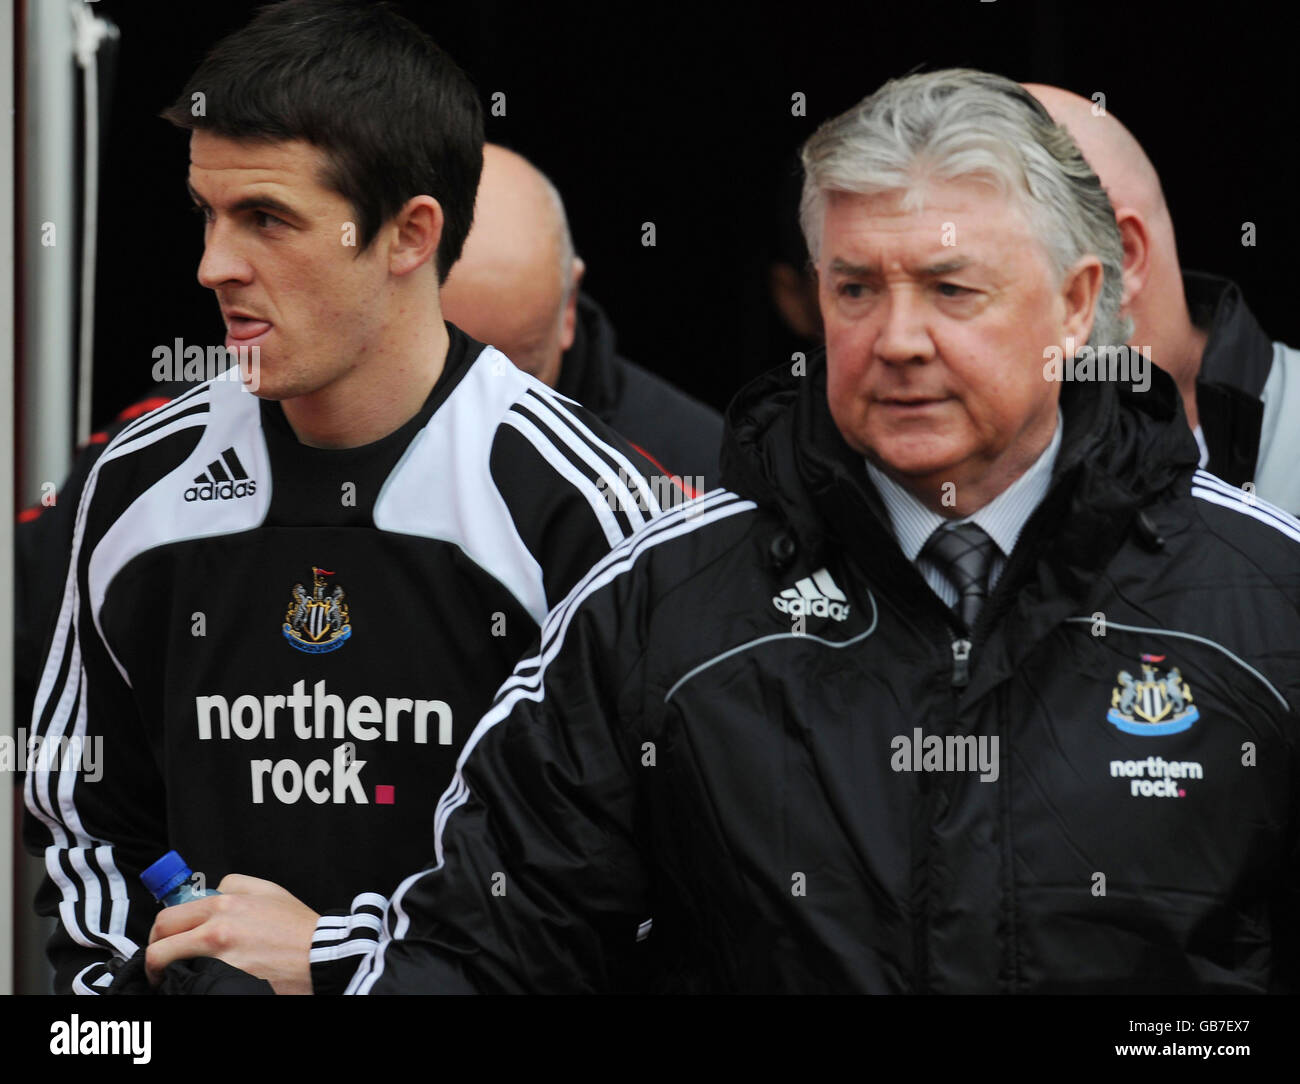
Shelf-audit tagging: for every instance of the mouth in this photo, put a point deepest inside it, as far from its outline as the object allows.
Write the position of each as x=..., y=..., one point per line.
x=910, y=403
x=245, y=330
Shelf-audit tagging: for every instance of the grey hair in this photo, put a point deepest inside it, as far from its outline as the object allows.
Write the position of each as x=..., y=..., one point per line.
x=960, y=123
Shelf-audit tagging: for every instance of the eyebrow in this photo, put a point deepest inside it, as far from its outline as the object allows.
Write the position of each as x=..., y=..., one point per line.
x=934, y=270
x=250, y=203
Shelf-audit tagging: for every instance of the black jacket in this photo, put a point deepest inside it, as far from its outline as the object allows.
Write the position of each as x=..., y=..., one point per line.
x=678, y=433
x=1247, y=394
x=1234, y=368
x=684, y=749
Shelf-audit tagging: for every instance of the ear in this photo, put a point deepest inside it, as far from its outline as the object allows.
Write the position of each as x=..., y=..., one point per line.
x=1080, y=291
x=569, y=324
x=1136, y=236
x=417, y=229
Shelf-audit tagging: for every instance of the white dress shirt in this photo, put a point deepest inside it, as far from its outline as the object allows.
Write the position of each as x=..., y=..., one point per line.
x=1003, y=518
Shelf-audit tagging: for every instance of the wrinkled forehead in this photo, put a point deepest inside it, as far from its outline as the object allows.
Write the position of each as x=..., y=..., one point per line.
x=957, y=219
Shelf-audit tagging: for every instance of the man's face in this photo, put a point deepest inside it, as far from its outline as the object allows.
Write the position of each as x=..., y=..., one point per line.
x=936, y=323
x=274, y=252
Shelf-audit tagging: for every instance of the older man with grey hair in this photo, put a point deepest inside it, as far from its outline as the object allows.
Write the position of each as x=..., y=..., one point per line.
x=972, y=684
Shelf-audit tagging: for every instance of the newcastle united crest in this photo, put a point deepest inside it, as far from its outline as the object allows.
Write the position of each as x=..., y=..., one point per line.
x=1159, y=703
x=318, y=622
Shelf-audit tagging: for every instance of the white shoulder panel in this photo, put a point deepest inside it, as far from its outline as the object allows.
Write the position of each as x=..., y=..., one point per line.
x=162, y=514
x=442, y=487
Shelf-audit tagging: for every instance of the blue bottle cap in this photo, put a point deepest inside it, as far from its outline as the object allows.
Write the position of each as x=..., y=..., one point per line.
x=165, y=874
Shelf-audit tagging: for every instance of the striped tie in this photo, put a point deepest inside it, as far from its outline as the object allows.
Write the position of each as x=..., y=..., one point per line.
x=963, y=554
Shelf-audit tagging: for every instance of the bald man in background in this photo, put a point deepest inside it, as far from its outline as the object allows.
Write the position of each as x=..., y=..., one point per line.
x=1241, y=390
x=516, y=286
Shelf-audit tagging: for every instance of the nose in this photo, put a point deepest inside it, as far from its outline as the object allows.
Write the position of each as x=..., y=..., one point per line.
x=221, y=262
x=903, y=336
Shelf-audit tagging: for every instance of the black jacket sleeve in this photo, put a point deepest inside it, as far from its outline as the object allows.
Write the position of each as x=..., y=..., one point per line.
x=96, y=811
x=539, y=883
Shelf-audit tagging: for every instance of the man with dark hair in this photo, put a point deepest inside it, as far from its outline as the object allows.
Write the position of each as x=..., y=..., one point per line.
x=284, y=609
x=379, y=145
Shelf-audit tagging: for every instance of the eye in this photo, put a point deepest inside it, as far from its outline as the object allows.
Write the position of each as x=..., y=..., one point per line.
x=951, y=289
x=852, y=290
x=264, y=219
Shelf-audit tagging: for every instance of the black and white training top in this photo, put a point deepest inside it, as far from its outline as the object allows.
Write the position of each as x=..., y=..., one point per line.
x=269, y=655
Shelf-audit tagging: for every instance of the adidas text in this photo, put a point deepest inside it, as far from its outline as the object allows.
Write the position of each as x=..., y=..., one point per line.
x=225, y=491
x=813, y=607
x=813, y=596
x=224, y=480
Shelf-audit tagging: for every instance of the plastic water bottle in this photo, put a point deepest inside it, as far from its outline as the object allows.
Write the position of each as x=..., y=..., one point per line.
x=172, y=881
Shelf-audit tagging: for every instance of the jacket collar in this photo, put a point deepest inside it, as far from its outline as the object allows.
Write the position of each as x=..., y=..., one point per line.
x=1234, y=368
x=1120, y=450
x=1238, y=353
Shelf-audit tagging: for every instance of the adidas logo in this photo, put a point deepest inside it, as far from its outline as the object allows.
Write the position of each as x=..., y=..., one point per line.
x=814, y=595
x=224, y=480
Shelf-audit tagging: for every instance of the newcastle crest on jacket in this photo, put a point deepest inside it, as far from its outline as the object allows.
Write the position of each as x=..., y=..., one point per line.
x=1159, y=703
x=318, y=622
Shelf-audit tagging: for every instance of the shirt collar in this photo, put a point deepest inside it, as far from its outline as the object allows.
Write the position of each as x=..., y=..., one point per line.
x=1003, y=518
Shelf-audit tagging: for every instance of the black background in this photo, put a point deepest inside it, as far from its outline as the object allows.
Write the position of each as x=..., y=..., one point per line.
x=683, y=117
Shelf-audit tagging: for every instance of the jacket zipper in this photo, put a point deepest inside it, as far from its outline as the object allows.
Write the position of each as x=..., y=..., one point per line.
x=930, y=792
x=963, y=645
x=960, y=663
